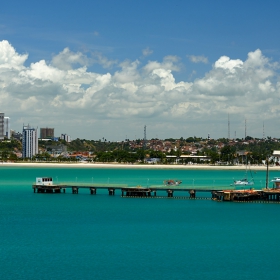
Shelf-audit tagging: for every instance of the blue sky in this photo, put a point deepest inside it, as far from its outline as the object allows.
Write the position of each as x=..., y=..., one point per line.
x=96, y=69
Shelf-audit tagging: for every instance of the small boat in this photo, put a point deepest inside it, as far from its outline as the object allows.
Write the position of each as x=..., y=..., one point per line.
x=276, y=182
x=275, y=179
x=243, y=182
x=172, y=182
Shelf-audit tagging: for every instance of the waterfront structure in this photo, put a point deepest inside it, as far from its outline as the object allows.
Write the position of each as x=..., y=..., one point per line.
x=178, y=159
x=2, y=126
x=29, y=142
x=65, y=137
x=46, y=133
x=7, y=132
x=44, y=181
x=45, y=185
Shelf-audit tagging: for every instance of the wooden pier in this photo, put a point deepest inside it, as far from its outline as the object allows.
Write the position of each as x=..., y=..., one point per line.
x=216, y=194
x=125, y=190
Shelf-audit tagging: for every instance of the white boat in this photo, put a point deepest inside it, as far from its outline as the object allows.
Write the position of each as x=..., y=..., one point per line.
x=243, y=182
x=276, y=182
x=275, y=179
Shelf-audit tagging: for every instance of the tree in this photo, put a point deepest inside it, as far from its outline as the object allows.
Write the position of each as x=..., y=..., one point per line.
x=13, y=157
x=227, y=153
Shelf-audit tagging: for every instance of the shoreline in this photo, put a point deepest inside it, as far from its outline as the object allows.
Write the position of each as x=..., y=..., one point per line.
x=140, y=166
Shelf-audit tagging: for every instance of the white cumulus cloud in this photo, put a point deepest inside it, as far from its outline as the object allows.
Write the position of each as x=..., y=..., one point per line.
x=66, y=59
x=66, y=95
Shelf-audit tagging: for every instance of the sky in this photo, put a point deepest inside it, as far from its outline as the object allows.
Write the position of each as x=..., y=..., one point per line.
x=94, y=69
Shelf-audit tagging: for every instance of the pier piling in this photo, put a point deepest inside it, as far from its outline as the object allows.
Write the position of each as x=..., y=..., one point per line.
x=192, y=193
x=169, y=193
x=75, y=190
x=111, y=191
x=92, y=190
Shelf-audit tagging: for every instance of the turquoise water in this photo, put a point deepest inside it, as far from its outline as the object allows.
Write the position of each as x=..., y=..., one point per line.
x=66, y=236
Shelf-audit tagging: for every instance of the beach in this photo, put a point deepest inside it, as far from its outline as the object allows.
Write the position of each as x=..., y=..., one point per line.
x=143, y=166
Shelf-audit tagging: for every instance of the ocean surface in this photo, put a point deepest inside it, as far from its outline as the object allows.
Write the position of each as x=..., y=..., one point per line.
x=83, y=236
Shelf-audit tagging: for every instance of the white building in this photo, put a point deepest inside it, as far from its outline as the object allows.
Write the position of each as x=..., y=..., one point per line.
x=65, y=137
x=29, y=142
x=7, y=132
x=44, y=181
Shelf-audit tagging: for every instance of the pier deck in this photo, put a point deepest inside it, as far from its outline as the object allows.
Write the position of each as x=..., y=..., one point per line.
x=126, y=191
x=125, y=186
x=216, y=193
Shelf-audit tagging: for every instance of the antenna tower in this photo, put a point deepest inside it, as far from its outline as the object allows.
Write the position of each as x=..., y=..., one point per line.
x=228, y=128
x=145, y=138
x=245, y=129
x=263, y=131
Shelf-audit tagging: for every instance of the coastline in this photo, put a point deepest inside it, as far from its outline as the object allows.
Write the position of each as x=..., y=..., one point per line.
x=140, y=166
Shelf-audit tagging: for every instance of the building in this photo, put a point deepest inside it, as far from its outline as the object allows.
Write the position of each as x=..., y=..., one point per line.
x=7, y=132
x=29, y=142
x=46, y=133
x=2, y=129
x=16, y=135
x=56, y=149
x=65, y=137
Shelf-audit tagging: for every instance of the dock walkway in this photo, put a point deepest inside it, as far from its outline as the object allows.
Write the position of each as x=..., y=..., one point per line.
x=215, y=193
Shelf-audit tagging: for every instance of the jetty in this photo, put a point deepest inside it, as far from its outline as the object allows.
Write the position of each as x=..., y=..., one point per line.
x=124, y=189
x=46, y=185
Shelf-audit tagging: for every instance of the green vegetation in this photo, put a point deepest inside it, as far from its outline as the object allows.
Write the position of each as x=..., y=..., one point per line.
x=220, y=151
x=8, y=148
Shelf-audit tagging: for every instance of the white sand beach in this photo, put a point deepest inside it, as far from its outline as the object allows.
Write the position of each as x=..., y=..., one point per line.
x=144, y=166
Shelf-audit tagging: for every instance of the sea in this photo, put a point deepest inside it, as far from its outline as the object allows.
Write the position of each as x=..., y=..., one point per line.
x=83, y=236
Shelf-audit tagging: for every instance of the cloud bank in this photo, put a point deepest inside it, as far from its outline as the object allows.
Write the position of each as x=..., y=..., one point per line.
x=64, y=94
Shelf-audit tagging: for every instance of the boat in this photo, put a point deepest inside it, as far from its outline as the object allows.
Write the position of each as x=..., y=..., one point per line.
x=275, y=179
x=172, y=182
x=245, y=181
x=276, y=182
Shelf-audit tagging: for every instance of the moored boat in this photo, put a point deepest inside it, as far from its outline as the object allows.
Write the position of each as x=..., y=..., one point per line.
x=172, y=182
x=243, y=182
x=276, y=182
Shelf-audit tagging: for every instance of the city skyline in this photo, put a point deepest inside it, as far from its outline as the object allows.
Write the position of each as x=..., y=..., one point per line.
x=107, y=69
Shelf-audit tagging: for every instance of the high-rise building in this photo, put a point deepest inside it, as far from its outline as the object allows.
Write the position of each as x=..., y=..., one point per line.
x=29, y=142
x=7, y=132
x=46, y=133
x=65, y=137
x=2, y=129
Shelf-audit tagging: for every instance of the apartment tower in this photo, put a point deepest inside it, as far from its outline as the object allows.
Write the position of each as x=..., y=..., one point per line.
x=65, y=137
x=46, y=133
x=2, y=129
x=7, y=132
x=29, y=142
